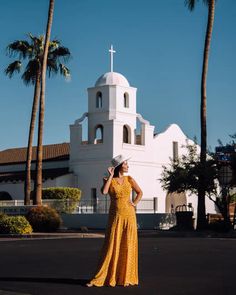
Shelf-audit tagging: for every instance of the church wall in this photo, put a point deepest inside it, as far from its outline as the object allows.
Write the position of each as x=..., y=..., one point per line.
x=143, y=168
x=67, y=180
x=16, y=190
x=164, y=143
x=90, y=175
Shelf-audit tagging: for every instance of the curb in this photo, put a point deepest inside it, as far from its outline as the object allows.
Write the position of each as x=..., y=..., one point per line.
x=41, y=236
x=100, y=234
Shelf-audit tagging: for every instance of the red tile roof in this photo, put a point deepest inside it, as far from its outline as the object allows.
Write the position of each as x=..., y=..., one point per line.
x=52, y=152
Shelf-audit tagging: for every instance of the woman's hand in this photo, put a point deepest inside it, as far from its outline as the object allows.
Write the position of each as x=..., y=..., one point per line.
x=132, y=204
x=111, y=171
x=107, y=181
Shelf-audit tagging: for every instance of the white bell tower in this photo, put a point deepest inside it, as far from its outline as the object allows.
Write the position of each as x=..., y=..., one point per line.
x=111, y=106
x=112, y=123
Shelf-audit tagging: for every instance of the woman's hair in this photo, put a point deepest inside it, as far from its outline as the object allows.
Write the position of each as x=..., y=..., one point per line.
x=116, y=174
x=117, y=170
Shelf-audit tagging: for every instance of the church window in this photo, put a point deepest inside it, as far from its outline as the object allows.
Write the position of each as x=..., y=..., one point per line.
x=99, y=100
x=126, y=100
x=175, y=151
x=126, y=134
x=5, y=196
x=98, y=134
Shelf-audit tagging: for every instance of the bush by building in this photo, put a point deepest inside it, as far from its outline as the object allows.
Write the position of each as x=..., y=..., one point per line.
x=65, y=199
x=44, y=219
x=14, y=225
x=2, y=215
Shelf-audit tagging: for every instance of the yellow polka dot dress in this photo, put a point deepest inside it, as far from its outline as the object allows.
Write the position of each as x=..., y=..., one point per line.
x=118, y=263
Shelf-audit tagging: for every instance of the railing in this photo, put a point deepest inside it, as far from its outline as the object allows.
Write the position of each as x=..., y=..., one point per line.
x=86, y=206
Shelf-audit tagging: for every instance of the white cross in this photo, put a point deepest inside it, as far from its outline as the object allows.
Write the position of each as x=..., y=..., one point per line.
x=111, y=52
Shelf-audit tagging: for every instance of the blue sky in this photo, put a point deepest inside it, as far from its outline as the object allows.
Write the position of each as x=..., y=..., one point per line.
x=159, y=46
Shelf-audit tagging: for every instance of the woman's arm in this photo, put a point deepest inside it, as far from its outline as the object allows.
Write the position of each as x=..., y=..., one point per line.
x=137, y=189
x=107, y=181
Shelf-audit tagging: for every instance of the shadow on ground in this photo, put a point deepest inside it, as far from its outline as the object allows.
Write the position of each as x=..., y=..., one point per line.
x=81, y=282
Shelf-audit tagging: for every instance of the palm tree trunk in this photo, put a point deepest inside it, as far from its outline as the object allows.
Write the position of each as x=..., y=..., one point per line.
x=27, y=186
x=38, y=197
x=201, y=222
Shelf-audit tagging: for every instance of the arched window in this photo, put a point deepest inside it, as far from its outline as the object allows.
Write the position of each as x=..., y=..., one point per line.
x=98, y=134
x=5, y=196
x=99, y=100
x=126, y=134
x=126, y=100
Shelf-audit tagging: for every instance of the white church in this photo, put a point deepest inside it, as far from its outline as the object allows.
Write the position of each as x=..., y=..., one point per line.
x=113, y=127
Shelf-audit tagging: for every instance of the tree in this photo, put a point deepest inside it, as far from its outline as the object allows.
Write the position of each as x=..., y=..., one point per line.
x=226, y=159
x=233, y=158
x=39, y=159
x=201, y=223
x=184, y=175
x=32, y=52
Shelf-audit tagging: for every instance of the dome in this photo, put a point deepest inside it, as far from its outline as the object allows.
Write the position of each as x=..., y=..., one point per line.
x=112, y=78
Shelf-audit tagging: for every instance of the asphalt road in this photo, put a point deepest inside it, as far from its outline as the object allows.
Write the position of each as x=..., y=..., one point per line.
x=166, y=266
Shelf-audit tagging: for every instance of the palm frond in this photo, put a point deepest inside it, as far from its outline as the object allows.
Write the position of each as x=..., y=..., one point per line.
x=39, y=42
x=56, y=41
x=190, y=4
x=33, y=51
x=206, y=2
x=20, y=48
x=61, y=52
x=31, y=37
x=38, y=45
x=54, y=44
x=30, y=74
x=13, y=68
x=64, y=71
x=52, y=66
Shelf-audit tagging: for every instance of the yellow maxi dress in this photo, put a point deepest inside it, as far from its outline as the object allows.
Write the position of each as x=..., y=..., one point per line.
x=118, y=263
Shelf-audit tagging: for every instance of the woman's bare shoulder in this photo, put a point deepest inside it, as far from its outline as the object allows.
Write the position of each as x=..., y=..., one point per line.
x=130, y=178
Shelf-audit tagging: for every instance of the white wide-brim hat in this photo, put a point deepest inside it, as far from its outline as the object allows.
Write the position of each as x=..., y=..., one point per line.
x=116, y=161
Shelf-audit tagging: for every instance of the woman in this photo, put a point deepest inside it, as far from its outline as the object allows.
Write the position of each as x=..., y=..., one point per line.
x=119, y=257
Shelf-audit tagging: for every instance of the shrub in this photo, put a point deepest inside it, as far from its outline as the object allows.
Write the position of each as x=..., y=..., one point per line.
x=14, y=225
x=44, y=219
x=2, y=215
x=67, y=197
x=233, y=198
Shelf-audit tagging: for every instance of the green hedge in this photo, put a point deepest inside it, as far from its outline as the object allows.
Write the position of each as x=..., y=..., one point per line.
x=67, y=197
x=2, y=215
x=44, y=219
x=14, y=225
x=233, y=198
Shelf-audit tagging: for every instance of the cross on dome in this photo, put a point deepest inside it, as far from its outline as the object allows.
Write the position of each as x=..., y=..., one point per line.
x=111, y=60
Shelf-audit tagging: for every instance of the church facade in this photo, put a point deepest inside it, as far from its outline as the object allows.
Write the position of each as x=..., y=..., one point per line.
x=113, y=127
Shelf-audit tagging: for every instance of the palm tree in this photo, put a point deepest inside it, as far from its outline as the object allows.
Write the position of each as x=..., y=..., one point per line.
x=38, y=184
x=32, y=51
x=201, y=220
